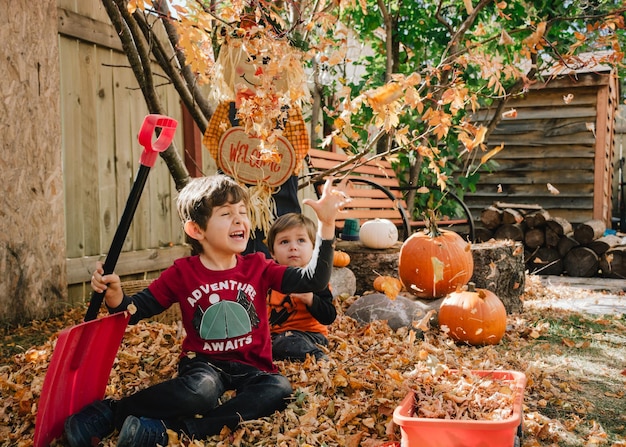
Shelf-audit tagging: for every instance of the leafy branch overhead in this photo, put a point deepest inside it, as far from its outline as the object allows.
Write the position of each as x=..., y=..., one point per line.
x=413, y=75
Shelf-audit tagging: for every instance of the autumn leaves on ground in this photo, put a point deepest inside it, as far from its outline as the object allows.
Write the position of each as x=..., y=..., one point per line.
x=573, y=364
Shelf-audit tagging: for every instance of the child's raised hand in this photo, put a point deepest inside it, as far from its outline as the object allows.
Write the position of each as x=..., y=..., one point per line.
x=333, y=198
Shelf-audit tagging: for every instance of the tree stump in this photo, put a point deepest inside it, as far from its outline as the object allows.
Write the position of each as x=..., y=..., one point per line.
x=368, y=263
x=499, y=267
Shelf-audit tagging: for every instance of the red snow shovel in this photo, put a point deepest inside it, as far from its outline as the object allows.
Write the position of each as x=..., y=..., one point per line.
x=81, y=363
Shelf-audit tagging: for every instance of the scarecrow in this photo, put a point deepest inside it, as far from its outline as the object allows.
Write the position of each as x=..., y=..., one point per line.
x=257, y=134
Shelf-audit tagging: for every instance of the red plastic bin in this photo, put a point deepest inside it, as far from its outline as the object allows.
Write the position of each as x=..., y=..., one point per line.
x=431, y=432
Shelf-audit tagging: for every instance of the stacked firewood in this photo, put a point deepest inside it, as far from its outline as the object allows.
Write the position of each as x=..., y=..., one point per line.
x=552, y=246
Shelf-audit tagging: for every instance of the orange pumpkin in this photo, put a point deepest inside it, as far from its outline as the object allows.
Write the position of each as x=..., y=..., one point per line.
x=474, y=316
x=434, y=262
x=388, y=285
x=341, y=258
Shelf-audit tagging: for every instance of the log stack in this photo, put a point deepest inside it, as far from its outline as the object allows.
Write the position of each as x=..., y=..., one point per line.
x=552, y=246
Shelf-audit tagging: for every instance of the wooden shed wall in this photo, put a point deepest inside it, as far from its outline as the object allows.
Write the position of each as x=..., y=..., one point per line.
x=567, y=144
x=102, y=110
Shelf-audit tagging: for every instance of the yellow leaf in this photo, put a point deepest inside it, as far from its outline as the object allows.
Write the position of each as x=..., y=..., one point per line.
x=423, y=323
x=485, y=158
x=389, y=285
x=505, y=39
x=341, y=142
x=384, y=95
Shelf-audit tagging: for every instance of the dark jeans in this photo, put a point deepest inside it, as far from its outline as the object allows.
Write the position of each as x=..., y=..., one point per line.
x=196, y=391
x=295, y=345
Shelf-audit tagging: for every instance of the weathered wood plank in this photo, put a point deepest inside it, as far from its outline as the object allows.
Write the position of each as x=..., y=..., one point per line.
x=567, y=190
x=80, y=269
x=105, y=146
x=545, y=164
x=512, y=177
x=70, y=119
x=86, y=28
x=537, y=111
x=522, y=151
x=88, y=167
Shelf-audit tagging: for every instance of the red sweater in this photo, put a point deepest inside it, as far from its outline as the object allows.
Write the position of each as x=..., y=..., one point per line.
x=223, y=312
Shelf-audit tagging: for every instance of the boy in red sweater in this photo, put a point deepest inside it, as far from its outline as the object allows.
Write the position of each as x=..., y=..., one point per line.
x=222, y=297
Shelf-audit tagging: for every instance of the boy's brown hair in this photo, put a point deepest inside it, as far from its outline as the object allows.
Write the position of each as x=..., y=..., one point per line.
x=198, y=198
x=288, y=221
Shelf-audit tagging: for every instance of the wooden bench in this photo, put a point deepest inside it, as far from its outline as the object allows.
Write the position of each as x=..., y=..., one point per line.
x=376, y=192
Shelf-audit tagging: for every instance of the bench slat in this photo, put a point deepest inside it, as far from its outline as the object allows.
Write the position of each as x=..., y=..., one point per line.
x=370, y=201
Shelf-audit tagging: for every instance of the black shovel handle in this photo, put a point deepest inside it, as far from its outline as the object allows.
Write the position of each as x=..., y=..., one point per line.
x=151, y=149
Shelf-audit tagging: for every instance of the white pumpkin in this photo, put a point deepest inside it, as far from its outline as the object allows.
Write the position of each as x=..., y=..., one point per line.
x=378, y=233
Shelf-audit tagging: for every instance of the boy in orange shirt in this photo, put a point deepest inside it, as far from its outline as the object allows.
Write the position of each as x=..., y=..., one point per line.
x=298, y=321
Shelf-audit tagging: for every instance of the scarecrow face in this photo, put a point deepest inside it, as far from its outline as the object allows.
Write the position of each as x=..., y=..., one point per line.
x=245, y=76
x=242, y=71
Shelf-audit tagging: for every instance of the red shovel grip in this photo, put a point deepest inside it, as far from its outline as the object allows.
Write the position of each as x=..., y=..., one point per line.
x=163, y=139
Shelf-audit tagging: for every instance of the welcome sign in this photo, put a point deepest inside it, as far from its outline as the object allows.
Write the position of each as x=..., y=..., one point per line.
x=240, y=157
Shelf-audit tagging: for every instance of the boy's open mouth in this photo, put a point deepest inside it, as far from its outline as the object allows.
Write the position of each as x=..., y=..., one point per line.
x=237, y=234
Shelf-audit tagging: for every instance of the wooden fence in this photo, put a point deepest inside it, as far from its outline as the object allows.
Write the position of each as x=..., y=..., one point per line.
x=102, y=110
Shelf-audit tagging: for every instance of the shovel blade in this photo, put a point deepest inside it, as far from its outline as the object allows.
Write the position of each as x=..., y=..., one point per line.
x=78, y=372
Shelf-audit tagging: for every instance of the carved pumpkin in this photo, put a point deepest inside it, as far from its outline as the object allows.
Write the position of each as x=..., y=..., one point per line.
x=433, y=263
x=474, y=316
x=378, y=233
x=341, y=258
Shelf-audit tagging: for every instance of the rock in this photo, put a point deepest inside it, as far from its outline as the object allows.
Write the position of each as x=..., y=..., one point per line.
x=401, y=312
x=342, y=280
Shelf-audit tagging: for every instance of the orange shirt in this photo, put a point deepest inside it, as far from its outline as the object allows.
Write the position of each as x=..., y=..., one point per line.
x=289, y=313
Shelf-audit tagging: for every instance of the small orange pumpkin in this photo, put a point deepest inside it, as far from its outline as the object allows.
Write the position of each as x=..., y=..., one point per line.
x=474, y=316
x=434, y=262
x=388, y=285
x=341, y=258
